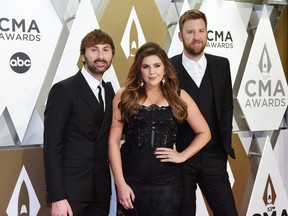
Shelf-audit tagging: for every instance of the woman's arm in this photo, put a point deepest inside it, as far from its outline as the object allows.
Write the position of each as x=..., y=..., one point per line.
x=200, y=127
x=124, y=192
x=198, y=124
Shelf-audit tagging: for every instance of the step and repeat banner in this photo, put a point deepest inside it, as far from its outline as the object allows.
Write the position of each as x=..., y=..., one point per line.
x=40, y=42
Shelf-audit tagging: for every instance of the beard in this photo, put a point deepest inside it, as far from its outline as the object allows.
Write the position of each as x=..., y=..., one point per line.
x=91, y=65
x=195, y=50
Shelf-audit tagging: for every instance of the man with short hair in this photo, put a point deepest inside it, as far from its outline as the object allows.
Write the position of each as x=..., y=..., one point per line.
x=207, y=80
x=77, y=122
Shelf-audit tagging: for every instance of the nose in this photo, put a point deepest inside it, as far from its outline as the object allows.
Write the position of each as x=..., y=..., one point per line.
x=151, y=71
x=196, y=35
x=100, y=54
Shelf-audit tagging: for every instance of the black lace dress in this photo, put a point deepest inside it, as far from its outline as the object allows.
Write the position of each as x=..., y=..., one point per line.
x=156, y=185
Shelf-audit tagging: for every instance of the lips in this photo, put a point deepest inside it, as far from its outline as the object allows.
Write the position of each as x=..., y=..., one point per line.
x=100, y=63
x=197, y=43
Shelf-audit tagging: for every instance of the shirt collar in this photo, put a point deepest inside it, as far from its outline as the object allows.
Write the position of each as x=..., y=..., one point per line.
x=202, y=62
x=92, y=82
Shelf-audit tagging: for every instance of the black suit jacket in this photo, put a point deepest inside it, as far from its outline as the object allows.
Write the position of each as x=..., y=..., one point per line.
x=221, y=83
x=76, y=141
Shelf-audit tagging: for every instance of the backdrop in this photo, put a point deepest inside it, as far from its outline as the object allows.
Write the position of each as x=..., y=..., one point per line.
x=40, y=42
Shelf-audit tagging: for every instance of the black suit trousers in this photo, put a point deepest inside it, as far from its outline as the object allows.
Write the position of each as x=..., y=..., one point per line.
x=97, y=208
x=208, y=169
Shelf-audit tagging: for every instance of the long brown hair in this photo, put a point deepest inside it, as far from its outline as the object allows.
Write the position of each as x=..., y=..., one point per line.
x=134, y=92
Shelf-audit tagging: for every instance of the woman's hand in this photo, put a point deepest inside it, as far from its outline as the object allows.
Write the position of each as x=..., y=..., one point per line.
x=60, y=208
x=169, y=155
x=125, y=195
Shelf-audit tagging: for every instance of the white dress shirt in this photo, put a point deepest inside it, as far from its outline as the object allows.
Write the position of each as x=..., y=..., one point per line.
x=93, y=83
x=196, y=70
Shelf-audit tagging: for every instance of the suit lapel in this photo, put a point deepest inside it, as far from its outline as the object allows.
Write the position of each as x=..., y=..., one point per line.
x=185, y=80
x=103, y=118
x=180, y=70
x=109, y=94
x=213, y=68
x=87, y=93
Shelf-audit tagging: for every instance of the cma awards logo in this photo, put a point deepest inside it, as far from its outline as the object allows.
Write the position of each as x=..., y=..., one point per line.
x=219, y=39
x=133, y=36
x=24, y=200
x=269, y=195
x=12, y=29
x=20, y=62
x=269, y=198
x=265, y=92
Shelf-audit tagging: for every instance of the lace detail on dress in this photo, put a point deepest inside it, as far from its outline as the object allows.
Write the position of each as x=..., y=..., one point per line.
x=154, y=126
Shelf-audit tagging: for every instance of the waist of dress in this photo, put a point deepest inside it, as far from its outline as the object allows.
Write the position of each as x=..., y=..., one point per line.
x=150, y=171
x=152, y=140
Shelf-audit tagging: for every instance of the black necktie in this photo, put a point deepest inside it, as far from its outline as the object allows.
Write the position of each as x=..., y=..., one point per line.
x=100, y=98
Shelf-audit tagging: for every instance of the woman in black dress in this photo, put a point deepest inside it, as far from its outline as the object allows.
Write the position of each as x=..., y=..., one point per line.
x=147, y=111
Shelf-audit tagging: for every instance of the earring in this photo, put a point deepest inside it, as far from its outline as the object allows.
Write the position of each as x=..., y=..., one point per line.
x=142, y=83
x=163, y=81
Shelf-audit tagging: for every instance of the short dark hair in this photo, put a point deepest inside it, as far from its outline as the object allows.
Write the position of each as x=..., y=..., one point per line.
x=96, y=36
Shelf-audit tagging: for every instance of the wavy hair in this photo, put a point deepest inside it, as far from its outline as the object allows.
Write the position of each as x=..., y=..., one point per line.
x=97, y=36
x=133, y=93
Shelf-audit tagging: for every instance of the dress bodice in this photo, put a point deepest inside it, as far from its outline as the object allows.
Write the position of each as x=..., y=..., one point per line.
x=153, y=126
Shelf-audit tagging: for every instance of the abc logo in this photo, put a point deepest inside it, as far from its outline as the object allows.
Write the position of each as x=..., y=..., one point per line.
x=20, y=62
